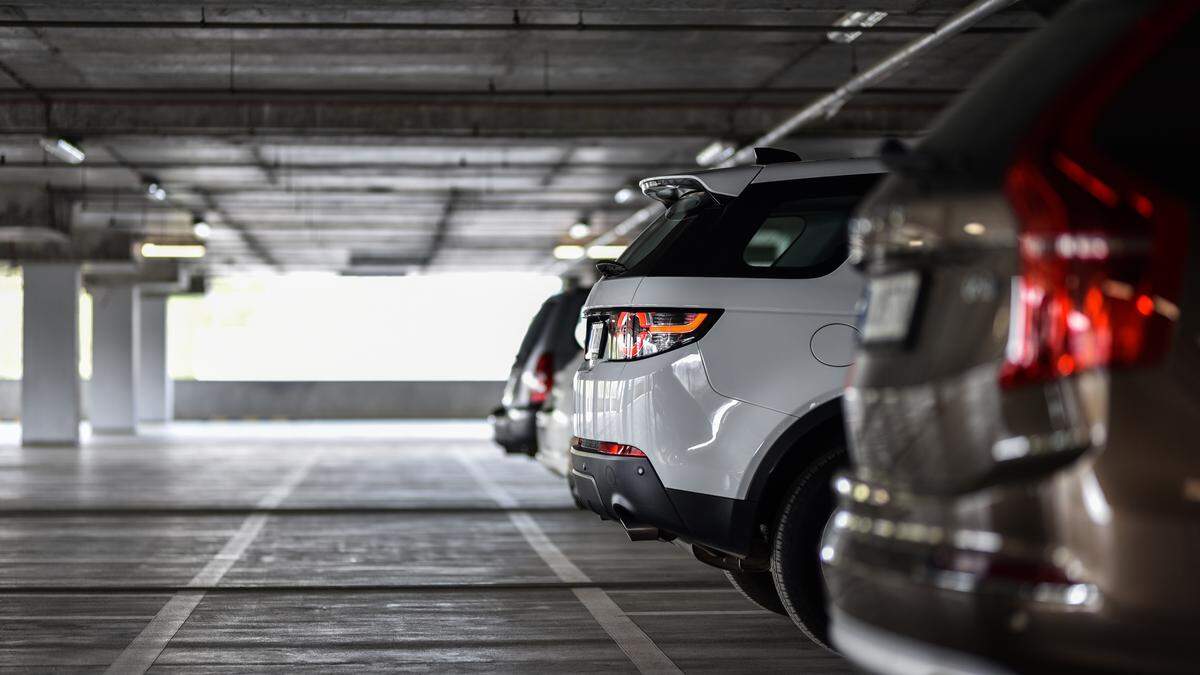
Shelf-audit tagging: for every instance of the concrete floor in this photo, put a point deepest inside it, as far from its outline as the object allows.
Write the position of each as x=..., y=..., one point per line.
x=329, y=547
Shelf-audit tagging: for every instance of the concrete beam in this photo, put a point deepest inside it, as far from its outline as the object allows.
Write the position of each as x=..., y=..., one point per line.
x=515, y=27
x=178, y=114
x=33, y=219
x=38, y=223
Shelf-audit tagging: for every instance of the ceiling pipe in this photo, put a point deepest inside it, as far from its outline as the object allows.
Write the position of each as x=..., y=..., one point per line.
x=823, y=108
x=828, y=105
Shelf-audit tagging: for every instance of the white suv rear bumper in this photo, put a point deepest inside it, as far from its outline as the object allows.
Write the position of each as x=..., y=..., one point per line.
x=696, y=439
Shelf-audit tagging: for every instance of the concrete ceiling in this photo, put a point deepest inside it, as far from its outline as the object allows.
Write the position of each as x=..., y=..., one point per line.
x=371, y=136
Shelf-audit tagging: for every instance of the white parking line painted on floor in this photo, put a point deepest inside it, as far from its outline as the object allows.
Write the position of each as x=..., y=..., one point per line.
x=554, y=557
x=638, y=647
x=689, y=591
x=641, y=650
x=698, y=612
x=490, y=487
x=74, y=617
x=149, y=644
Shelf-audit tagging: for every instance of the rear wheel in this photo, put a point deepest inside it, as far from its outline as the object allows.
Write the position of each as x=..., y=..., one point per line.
x=795, y=557
x=759, y=588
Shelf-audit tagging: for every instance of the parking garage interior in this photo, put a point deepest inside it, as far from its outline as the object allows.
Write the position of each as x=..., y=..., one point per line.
x=265, y=268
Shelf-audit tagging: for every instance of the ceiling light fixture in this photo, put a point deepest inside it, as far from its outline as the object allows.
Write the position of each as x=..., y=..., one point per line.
x=606, y=251
x=852, y=20
x=715, y=153
x=568, y=252
x=151, y=250
x=155, y=191
x=201, y=229
x=579, y=230
x=64, y=150
x=624, y=195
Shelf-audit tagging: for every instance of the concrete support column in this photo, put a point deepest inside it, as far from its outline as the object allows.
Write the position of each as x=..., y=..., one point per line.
x=50, y=404
x=156, y=390
x=112, y=404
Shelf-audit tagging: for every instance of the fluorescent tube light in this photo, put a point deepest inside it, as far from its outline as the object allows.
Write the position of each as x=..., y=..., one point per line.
x=715, y=152
x=624, y=195
x=605, y=251
x=568, y=252
x=579, y=230
x=851, y=20
x=64, y=150
x=150, y=250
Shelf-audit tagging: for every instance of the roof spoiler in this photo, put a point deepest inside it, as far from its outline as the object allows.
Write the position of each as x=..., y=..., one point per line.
x=727, y=182
x=717, y=182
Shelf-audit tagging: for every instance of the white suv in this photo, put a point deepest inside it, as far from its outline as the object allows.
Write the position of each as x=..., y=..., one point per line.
x=707, y=408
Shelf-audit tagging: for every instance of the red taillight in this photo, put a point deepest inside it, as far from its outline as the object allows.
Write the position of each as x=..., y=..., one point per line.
x=543, y=379
x=606, y=448
x=1101, y=249
x=638, y=333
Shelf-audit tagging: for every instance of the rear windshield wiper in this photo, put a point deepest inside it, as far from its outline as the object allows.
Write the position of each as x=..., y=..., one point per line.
x=610, y=268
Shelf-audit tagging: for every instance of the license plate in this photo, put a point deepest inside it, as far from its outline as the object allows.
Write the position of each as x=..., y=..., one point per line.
x=595, y=340
x=891, y=300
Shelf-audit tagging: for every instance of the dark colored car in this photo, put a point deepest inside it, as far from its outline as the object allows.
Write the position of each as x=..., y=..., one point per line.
x=1026, y=493
x=548, y=345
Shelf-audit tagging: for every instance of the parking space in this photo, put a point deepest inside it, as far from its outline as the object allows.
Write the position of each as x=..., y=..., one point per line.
x=341, y=546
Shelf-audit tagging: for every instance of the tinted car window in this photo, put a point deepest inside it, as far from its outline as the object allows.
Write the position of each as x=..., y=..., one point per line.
x=773, y=239
x=971, y=133
x=565, y=346
x=798, y=235
x=678, y=216
x=535, y=330
x=1150, y=126
x=783, y=229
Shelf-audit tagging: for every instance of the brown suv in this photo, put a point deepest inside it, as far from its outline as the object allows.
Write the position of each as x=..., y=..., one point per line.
x=1026, y=490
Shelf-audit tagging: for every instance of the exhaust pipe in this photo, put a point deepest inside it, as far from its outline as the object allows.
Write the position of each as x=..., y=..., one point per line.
x=640, y=531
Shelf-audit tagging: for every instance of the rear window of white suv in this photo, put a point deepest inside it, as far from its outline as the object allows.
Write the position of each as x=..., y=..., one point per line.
x=797, y=236
x=782, y=229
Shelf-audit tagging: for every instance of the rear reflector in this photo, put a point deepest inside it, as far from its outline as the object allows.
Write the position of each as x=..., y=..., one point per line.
x=606, y=448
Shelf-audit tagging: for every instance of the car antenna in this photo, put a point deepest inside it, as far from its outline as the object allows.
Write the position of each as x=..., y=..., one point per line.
x=766, y=156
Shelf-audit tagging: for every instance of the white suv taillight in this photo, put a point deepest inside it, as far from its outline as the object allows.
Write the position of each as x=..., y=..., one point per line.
x=637, y=333
x=1101, y=248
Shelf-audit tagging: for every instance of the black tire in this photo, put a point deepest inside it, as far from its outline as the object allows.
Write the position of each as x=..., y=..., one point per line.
x=795, y=555
x=759, y=588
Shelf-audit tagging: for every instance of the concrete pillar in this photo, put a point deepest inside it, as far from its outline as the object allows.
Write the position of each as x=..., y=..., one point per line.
x=50, y=404
x=112, y=404
x=156, y=390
